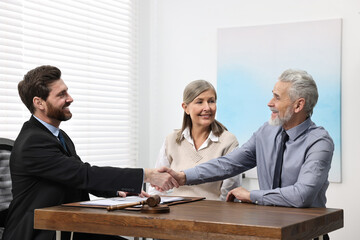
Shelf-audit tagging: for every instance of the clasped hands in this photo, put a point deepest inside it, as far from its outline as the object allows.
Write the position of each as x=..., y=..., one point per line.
x=164, y=179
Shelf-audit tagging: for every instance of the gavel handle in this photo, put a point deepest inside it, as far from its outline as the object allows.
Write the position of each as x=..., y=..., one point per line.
x=122, y=206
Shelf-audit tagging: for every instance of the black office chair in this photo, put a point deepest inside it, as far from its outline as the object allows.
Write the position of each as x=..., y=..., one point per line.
x=6, y=146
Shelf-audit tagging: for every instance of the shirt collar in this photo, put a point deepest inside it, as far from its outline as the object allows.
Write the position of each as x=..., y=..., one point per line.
x=211, y=137
x=296, y=131
x=51, y=128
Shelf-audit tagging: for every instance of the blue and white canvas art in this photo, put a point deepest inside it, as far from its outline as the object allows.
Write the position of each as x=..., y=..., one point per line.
x=250, y=60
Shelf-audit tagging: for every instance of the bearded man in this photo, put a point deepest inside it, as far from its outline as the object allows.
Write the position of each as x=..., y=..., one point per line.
x=45, y=168
x=292, y=155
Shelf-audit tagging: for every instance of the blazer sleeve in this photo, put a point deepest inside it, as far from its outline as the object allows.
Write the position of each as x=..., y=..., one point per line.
x=43, y=156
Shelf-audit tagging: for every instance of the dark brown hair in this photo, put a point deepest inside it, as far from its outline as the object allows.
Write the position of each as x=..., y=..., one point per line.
x=36, y=84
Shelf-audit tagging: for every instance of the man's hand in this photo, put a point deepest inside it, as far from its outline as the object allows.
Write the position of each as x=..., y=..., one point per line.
x=180, y=177
x=240, y=193
x=163, y=181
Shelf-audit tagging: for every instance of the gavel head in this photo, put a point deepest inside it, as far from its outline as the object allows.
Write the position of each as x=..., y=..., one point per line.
x=153, y=201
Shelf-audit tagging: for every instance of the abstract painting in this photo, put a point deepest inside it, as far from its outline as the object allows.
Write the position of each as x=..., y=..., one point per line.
x=250, y=60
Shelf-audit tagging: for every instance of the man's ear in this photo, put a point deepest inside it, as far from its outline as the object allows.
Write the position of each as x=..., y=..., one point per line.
x=39, y=103
x=299, y=105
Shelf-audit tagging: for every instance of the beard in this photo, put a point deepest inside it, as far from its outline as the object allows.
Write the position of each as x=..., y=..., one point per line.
x=57, y=113
x=279, y=121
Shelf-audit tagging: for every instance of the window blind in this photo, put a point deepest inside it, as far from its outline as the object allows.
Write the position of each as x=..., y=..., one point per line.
x=94, y=44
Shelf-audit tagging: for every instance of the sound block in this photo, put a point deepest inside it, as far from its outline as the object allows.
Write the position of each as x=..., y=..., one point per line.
x=162, y=208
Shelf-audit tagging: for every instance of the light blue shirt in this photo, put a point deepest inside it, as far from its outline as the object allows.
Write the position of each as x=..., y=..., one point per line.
x=307, y=161
x=52, y=129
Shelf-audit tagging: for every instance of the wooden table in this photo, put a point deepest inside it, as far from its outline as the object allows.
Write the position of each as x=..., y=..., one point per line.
x=196, y=220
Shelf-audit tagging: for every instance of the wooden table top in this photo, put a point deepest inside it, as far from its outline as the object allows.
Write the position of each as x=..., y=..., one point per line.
x=196, y=220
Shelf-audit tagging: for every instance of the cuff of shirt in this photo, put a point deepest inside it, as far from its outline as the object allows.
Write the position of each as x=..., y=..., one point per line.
x=191, y=176
x=256, y=196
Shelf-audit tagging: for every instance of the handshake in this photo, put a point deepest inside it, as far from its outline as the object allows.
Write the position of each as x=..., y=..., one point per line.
x=164, y=179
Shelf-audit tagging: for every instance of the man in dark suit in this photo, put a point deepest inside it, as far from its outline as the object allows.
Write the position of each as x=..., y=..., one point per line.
x=46, y=172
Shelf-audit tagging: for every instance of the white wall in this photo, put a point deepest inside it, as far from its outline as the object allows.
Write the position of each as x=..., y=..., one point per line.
x=178, y=45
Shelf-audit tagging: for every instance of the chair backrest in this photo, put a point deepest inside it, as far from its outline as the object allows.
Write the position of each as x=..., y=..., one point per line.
x=6, y=146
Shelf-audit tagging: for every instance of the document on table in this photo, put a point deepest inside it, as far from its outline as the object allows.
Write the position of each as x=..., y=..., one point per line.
x=131, y=199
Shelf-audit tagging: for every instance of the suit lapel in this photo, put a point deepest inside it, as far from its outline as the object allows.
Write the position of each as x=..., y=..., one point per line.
x=69, y=145
x=71, y=150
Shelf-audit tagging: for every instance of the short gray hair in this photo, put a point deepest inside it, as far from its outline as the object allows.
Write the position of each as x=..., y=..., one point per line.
x=302, y=86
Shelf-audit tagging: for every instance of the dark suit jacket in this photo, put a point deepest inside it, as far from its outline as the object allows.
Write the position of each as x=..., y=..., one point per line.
x=44, y=174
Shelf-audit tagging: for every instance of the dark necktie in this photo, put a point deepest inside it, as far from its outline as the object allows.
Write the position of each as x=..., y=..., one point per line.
x=279, y=161
x=62, y=141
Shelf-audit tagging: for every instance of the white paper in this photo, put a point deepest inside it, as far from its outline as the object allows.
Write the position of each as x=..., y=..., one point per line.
x=131, y=199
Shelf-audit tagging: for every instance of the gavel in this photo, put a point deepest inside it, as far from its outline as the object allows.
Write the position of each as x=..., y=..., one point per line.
x=152, y=201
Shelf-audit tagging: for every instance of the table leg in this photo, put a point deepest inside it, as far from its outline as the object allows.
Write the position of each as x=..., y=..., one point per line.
x=58, y=235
